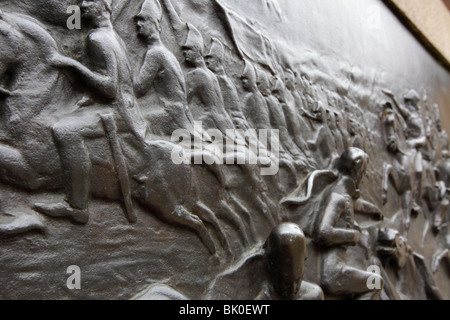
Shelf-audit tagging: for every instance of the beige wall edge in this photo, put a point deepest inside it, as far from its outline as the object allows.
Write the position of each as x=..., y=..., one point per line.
x=429, y=21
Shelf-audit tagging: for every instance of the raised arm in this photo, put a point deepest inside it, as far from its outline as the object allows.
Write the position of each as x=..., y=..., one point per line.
x=4, y=92
x=328, y=234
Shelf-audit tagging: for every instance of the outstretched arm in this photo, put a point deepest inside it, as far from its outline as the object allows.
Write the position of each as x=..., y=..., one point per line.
x=364, y=207
x=103, y=81
x=4, y=92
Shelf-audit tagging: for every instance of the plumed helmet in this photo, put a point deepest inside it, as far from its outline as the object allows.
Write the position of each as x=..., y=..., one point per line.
x=263, y=79
x=194, y=39
x=412, y=96
x=217, y=50
x=249, y=72
x=152, y=9
x=279, y=85
x=353, y=163
x=108, y=5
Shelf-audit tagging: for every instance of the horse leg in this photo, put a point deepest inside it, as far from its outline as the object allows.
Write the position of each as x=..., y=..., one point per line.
x=207, y=215
x=184, y=218
x=236, y=222
x=15, y=170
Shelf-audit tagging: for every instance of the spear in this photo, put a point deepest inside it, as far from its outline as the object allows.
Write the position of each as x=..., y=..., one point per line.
x=122, y=173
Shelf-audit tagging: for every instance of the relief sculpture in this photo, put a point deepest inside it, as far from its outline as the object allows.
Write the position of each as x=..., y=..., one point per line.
x=208, y=149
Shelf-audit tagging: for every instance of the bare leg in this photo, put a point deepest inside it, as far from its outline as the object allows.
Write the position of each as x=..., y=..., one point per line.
x=76, y=164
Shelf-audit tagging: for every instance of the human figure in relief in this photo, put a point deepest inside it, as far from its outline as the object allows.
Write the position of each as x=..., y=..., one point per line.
x=214, y=61
x=415, y=139
x=255, y=107
x=400, y=170
x=287, y=102
x=204, y=93
x=110, y=81
x=333, y=227
x=161, y=73
x=290, y=153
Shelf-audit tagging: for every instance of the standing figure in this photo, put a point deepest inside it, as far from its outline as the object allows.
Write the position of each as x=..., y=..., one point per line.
x=277, y=118
x=357, y=135
x=415, y=140
x=290, y=112
x=112, y=94
x=214, y=61
x=162, y=73
x=255, y=105
x=204, y=93
x=319, y=142
x=290, y=82
x=400, y=170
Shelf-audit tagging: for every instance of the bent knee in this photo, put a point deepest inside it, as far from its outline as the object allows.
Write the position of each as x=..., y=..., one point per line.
x=65, y=130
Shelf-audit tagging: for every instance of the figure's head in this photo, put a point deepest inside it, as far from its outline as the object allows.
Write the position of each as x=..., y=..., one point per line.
x=389, y=113
x=353, y=163
x=214, y=59
x=148, y=20
x=331, y=121
x=352, y=127
x=319, y=110
x=392, y=144
x=337, y=119
x=289, y=79
x=193, y=47
x=94, y=9
x=286, y=253
x=264, y=83
x=279, y=90
x=248, y=77
x=412, y=100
